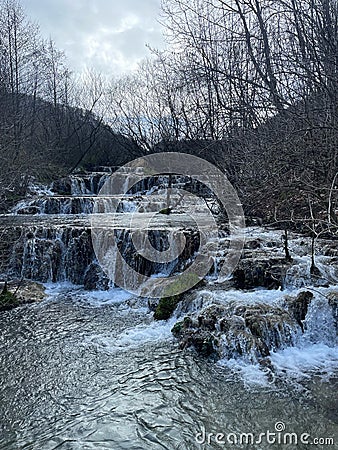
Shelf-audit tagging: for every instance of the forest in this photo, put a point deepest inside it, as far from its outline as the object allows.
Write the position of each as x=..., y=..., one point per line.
x=250, y=85
x=169, y=236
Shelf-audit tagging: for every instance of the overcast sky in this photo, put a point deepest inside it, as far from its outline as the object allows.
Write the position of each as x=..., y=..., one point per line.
x=109, y=35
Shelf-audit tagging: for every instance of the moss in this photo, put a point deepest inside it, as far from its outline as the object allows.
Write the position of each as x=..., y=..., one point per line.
x=8, y=300
x=183, y=283
x=177, y=328
x=165, y=211
x=166, y=307
x=172, y=295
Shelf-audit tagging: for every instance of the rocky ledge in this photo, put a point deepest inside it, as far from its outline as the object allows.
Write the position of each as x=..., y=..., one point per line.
x=247, y=331
x=18, y=293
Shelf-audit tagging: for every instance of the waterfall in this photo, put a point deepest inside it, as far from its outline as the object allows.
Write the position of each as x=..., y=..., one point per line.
x=253, y=318
x=52, y=254
x=319, y=323
x=56, y=245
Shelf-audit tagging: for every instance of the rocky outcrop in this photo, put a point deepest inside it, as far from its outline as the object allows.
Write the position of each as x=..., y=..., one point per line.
x=298, y=306
x=231, y=331
x=18, y=293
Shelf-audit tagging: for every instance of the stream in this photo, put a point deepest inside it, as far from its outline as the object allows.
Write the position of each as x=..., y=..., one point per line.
x=88, y=371
x=93, y=370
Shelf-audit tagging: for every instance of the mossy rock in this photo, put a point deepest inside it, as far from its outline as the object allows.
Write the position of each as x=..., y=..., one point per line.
x=177, y=328
x=166, y=307
x=183, y=283
x=173, y=294
x=8, y=300
x=20, y=293
x=165, y=211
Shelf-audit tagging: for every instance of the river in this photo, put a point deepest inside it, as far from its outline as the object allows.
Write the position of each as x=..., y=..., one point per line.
x=93, y=371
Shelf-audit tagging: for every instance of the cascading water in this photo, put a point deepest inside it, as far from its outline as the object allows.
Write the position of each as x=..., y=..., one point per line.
x=94, y=370
x=55, y=243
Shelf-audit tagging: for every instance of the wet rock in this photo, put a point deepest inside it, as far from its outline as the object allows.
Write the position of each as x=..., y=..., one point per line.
x=29, y=210
x=202, y=340
x=254, y=272
x=298, y=306
x=230, y=331
x=166, y=306
x=63, y=186
x=95, y=278
x=333, y=303
x=18, y=293
x=30, y=292
x=253, y=244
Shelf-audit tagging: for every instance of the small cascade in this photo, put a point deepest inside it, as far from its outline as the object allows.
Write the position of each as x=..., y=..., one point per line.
x=76, y=196
x=232, y=330
x=87, y=184
x=251, y=327
x=58, y=205
x=54, y=243
x=52, y=254
x=269, y=306
x=65, y=253
x=319, y=324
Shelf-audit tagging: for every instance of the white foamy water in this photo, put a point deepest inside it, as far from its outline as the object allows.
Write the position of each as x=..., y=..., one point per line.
x=112, y=296
x=251, y=374
x=155, y=332
x=315, y=351
x=134, y=337
x=303, y=362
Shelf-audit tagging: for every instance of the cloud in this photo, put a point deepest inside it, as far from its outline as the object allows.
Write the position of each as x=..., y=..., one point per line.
x=109, y=35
